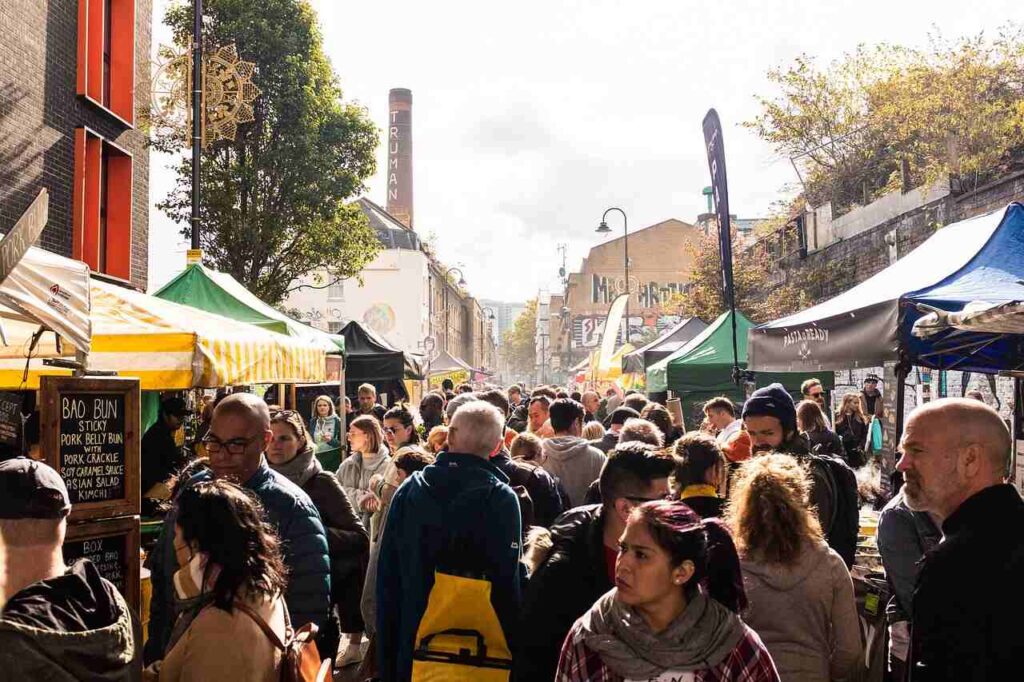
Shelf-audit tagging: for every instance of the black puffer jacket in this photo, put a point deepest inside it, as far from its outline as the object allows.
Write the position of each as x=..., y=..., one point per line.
x=520, y=417
x=543, y=490
x=564, y=587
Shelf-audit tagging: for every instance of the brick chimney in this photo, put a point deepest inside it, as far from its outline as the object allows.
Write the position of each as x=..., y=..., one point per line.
x=400, y=155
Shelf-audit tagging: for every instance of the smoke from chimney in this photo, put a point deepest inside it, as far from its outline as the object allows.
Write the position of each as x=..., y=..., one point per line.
x=400, y=155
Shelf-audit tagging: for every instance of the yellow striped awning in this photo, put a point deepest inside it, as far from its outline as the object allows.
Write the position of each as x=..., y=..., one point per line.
x=170, y=346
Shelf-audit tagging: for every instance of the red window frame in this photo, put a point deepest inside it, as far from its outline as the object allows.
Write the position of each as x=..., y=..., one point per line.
x=106, y=56
x=102, y=205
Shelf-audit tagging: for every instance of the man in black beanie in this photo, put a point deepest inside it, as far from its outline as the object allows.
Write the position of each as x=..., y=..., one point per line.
x=769, y=417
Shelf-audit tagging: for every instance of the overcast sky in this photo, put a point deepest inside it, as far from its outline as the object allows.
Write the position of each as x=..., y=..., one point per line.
x=531, y=118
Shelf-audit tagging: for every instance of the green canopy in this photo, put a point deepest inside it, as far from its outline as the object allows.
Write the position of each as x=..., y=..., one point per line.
x=220, y=293
x=702, y=368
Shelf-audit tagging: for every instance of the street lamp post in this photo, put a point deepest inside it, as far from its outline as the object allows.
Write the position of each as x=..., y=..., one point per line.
x=447, y=308
x=197, y=115
x=604, y=229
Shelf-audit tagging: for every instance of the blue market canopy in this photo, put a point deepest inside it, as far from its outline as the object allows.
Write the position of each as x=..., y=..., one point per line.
x=973, y=319
x=864, y=327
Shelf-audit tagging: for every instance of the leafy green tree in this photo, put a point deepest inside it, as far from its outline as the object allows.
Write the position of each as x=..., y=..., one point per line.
x=275, y=202
x=889, y=117
x=519, y=344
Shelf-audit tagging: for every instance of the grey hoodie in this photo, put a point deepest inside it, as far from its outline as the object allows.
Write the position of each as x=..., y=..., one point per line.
x=72, y=627
x=805, y=615
x=575, y=462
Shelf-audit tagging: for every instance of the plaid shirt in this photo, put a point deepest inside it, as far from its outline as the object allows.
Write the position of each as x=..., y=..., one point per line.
x=749, y=661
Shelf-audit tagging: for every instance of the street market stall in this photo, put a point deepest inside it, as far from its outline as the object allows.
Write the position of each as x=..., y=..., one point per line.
x=660, y=348
x=371, y=359
x=447, y=366
x=702, y=369
x=175, y=347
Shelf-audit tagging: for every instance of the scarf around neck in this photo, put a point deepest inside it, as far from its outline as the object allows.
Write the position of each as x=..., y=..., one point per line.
x=701, y=637
x=300, y=468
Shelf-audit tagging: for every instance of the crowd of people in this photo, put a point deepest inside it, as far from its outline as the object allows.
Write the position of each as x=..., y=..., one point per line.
x=538, y=535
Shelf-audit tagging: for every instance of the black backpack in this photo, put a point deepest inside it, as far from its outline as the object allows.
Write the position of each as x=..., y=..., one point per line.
x=845, y=522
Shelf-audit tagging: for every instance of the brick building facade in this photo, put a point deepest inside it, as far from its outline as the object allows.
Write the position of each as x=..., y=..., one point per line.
x=73, y=74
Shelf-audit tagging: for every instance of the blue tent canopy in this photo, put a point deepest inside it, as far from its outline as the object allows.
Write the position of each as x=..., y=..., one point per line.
x=993, y=276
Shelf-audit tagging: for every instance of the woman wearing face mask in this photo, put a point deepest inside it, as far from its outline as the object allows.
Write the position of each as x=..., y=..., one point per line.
x=368, y=456
x=660, y=620
x=291, y=454
x=231, y=563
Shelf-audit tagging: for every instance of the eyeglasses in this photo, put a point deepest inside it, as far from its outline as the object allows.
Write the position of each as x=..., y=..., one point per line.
x=235, y=446
x=390, y=429
x=284, y=414
x=816, y=395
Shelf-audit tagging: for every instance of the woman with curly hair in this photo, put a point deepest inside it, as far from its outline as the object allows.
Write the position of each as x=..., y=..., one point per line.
x=231, y=563
x=800, y=592
x=672, y=612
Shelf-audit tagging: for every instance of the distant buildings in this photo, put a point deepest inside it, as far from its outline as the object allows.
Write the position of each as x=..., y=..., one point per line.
x=505, y=315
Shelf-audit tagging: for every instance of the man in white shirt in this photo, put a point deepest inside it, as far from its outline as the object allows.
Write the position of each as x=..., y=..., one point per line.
x=721, y=413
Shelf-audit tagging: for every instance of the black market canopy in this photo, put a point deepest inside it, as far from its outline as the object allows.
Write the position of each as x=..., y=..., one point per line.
x=371, y=359
x=869, y=324
x=660, y=348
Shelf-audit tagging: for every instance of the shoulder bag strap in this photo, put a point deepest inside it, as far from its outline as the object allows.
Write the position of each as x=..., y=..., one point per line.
x=271, y=635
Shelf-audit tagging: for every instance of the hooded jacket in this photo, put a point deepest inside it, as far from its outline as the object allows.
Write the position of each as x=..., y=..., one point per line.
x=569, y=580
x=805, y=614
x=541, y=486
x=75, y=626
x=574, y=462
x=459, y=496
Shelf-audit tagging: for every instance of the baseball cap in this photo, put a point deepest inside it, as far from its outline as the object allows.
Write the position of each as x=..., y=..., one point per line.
x=175, y=407
x=621, y=415
x=30, y=489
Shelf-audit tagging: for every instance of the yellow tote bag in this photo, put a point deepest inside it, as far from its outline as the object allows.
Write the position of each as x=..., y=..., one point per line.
x=459, y=636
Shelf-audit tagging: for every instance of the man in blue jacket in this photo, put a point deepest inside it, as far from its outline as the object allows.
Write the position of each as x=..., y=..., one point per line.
x=462, y=495
x=238, y=435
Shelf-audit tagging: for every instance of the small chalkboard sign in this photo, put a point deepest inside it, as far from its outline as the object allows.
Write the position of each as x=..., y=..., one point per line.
x=90, y=434
x=10, y=419
x=112, y=545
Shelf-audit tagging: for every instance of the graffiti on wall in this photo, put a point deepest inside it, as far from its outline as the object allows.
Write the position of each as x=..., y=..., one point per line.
x=587, y=330
x=647, y=294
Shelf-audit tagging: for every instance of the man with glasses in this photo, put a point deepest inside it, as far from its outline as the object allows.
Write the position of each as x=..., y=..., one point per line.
x=580, y=566
x=239, y=433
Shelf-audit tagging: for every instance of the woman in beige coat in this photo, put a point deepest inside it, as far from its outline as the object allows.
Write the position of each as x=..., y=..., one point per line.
x=800, y=593
x=231, y=568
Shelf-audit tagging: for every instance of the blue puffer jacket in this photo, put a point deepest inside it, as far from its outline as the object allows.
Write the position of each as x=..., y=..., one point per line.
x=461, y=494
x=292, y=513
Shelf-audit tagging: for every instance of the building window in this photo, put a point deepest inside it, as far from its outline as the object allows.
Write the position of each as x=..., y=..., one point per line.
x=102, y=205
x=335, y=327
x=106, y=55
x=336, y=291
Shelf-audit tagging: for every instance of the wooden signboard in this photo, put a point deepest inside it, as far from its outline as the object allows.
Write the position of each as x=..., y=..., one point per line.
x=10, y=419
x=89, y=433
x=112, y=545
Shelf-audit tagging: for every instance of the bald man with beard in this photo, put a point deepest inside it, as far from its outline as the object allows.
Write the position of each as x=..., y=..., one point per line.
x=969, y=596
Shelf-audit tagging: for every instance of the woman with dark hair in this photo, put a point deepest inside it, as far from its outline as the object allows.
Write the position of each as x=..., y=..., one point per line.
x=402, y=437
x=811, y=422
x=672, y=611
x=291, y=454
x=801, y=595
x=660, y=417
x=432, y=411
x=698, y=473
x=231, y=562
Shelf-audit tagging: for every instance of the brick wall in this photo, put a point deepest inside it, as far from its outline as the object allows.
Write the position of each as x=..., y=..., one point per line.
x=39, y=111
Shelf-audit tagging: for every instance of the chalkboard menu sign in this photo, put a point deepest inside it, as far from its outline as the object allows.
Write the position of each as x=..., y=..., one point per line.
x=10, y=419
x=112, y=545
x=889, y=443
x=90, y=434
